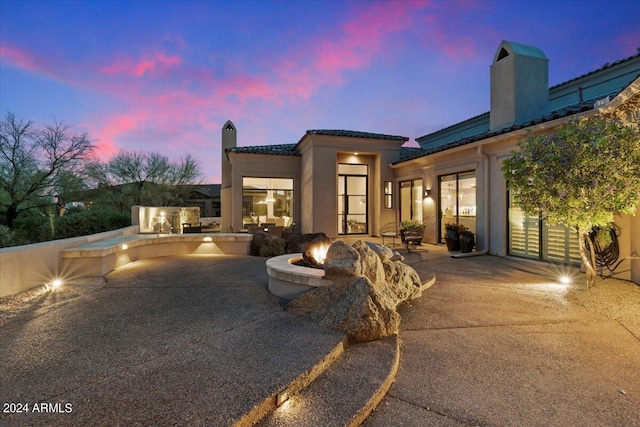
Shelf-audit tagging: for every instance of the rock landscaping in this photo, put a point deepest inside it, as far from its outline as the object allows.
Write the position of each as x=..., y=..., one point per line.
x=369, y=282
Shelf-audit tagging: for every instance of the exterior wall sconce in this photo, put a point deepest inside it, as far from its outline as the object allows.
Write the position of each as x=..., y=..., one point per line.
x=427, y=193
x=388, y=194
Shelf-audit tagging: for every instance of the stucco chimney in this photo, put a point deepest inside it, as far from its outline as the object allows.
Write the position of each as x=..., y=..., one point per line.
x=229, y=138
x=519, y=85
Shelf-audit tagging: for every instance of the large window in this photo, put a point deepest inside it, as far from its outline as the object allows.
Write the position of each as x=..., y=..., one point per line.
x=411, y=196
x=458, y=201
x=530, y=237
x=267, y=201
x=353, y=204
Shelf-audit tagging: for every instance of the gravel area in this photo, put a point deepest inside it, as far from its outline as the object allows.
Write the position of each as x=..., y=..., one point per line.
x=612, y=298
x=39, y=300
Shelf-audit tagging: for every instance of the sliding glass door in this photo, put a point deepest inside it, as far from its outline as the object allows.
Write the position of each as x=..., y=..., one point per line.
x=458, y=201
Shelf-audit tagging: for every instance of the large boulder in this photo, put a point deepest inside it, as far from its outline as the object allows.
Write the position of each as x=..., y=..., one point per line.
x=382, y=251
x=368, y=285
x=342, y=261
x=352, y=305
x=403, y=280
x=370, y=262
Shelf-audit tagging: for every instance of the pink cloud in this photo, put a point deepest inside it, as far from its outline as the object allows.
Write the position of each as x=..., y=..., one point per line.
x=18, y=58
x=158, y=64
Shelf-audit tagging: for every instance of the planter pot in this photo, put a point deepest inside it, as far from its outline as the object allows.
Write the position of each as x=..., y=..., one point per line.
x=467, y=243
x=452, y=239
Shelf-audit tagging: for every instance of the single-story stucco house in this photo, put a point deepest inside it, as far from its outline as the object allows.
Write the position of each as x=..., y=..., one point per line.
x=344, y=182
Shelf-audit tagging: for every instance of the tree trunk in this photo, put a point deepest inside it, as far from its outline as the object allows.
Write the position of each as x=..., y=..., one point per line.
x=10, y=215
x=588, y=257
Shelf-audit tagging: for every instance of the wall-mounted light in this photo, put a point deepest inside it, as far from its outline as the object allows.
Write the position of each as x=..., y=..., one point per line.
x=388, y=194
x=124, y=246
x=427, y=193
x=355, y=154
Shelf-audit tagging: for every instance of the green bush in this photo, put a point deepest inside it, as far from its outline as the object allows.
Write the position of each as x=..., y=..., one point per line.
x=88, y=222
x=34, y=228
x=7, y=237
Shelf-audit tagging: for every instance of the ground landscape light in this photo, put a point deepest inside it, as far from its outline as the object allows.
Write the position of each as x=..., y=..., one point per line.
x=565, y=279
x=282, y=397
x=53, y=284
x=208, y=239
x=125, y=246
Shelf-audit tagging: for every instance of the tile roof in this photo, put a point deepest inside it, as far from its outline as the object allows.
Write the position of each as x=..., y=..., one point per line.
x=277, y=149
x=292, y=150
x=352, y=134
x=604, y=67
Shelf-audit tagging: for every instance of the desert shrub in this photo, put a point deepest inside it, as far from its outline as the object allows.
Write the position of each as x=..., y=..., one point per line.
x=82, y=223
x=272, y=247
x=7, y=237
x=32, y=227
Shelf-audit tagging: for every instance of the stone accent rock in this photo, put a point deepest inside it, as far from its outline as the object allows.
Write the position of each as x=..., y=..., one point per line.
x=371, y=264
x=300, y=242
x=342, y=261
x=403, y=280
x=367, y=287
x=352, y=305
x=382, y=251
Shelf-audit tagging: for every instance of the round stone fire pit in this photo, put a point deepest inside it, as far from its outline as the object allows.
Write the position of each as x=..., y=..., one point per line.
x=289, y=281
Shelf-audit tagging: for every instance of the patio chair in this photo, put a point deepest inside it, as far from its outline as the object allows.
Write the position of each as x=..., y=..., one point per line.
x=412, y=236
x=391, y=231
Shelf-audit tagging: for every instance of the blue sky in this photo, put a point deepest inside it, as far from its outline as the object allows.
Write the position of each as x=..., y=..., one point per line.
x=165, y=76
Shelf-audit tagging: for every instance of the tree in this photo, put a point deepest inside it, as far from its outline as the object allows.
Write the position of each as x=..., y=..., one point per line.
x=147, y=179
x=579, y=176
x=36, y=163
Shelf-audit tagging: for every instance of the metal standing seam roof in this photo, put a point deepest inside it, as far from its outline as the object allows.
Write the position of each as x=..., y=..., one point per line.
x=552, y=115
x=557, y=114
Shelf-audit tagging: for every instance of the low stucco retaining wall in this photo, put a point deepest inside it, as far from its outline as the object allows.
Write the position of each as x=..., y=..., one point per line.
x=27, y=266
x=99, y=258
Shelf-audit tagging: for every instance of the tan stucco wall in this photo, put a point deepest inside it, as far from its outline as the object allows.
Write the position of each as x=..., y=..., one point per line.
x=27, y=266
x=321, y=155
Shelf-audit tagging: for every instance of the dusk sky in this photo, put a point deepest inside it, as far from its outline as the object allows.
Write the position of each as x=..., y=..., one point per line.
x=164, y=76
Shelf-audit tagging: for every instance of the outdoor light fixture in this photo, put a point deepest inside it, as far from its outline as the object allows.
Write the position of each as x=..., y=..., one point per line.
x=388, y=194
x=427, y=193
x=208, y=239
x=124, y=246
x=282, y=397
x=565, y=280
x=53, y=285
x=355, y=154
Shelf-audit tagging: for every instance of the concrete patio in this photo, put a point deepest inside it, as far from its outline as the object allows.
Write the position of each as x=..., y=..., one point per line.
x=198, y=340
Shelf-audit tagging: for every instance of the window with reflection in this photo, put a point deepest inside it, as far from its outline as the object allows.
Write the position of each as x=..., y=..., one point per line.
x=267, y=201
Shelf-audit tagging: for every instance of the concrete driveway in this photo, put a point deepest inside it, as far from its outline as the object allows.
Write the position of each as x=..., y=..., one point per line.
x=497, y=342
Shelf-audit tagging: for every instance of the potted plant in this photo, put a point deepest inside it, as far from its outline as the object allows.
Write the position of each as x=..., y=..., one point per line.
x=467, y=240
x=452, y=236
